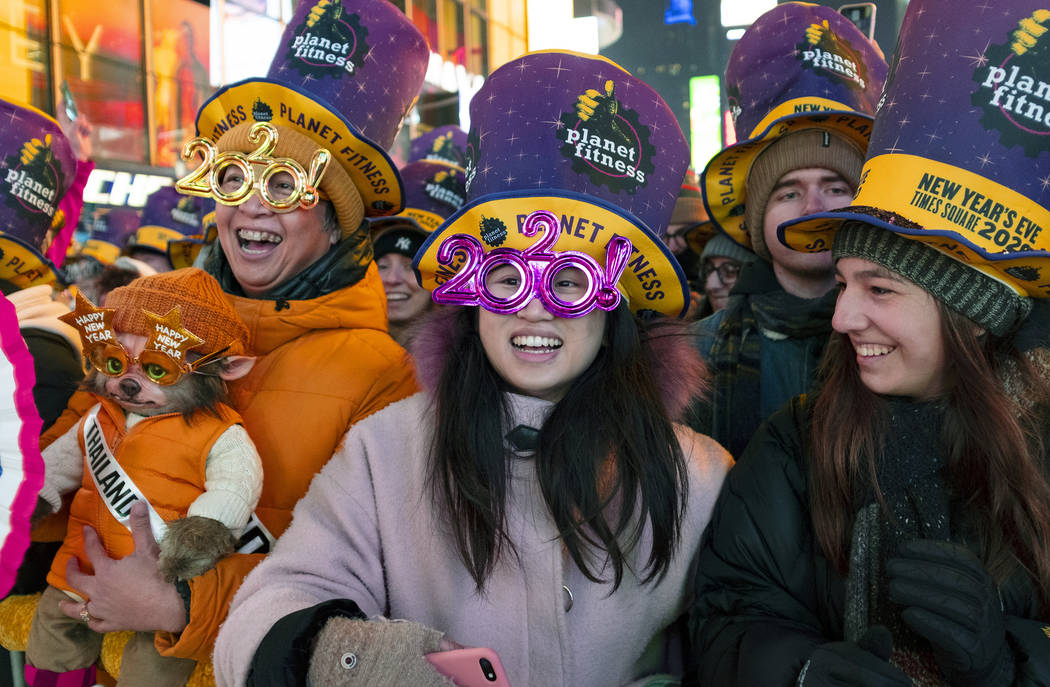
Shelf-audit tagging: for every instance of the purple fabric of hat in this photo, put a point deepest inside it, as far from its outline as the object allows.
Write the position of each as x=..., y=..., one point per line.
x=168, y=208
x=629, y=152
x=37, y=166
x=116, y=226
x=362, y=56
x=443, y=144
x=799, y=51
x=579, y=136
x=110, y=233
x=344, y=75
x=798, y=66
x=433, y=191
x=960, y=153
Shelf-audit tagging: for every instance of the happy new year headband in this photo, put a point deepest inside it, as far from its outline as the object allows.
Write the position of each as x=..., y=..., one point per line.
x=163, y=357
x=539, y=273
x=208, y=179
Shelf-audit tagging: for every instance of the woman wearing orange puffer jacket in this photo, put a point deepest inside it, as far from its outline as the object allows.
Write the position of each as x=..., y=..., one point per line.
x=302, y=278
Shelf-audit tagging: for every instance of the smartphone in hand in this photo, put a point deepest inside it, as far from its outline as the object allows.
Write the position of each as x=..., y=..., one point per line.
x=473, y=667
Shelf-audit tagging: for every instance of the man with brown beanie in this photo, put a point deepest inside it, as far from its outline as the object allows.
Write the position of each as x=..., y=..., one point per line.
x=803, y=153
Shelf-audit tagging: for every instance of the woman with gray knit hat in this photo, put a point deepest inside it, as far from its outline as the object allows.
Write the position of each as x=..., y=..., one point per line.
x=904, y=507
x=721, y=260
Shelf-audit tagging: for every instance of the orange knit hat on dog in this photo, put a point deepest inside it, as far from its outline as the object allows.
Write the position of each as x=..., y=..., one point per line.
x=205, y=311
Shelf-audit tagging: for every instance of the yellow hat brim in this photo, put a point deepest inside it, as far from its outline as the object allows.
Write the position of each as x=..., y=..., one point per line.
x=724, y=179
x=956, y=211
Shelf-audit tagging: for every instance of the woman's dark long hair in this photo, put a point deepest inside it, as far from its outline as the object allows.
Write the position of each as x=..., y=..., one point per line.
x=992, y=442
x=608, y=459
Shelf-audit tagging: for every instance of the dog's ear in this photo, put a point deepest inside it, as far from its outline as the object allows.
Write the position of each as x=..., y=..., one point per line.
x=236, y=366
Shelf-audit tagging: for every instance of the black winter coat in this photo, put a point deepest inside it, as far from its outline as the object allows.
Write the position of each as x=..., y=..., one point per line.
x=765, y=594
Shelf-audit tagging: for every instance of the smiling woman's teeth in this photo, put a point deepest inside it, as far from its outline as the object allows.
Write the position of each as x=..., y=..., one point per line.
x=870, y=350
x=538, y=343
x=247, y=237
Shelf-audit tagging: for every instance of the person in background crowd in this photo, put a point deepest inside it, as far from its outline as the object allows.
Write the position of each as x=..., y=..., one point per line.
x=296, y=262
x=168, y=216
x=893, y=527
x=192, y=250
x=406, y=300
x=763, y=350
x=109, y=233
x=122, y=272
x=45, y=163
x=688, y=214
x=433, y=191
x=721, y=260
x=552, y=505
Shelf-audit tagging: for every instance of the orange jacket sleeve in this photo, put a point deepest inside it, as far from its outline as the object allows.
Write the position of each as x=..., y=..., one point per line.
x=210, y=596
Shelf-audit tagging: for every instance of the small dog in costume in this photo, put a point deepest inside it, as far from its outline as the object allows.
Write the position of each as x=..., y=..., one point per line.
x=160, y=433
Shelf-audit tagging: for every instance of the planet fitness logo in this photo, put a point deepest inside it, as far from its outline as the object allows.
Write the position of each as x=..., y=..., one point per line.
x=823, y=51
x=329, y=43
x=606, y=141
x=185, y=212
x=446, y=188
x=30, y=180
x=733, y=96
x=261, y=112
x=1013, y=90
x=493, y=231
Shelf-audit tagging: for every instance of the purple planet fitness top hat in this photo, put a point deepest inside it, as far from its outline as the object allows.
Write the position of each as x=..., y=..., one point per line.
x=36, y=169
x=168, y=208
x=110, y=233
x=343, y=77
x=169, y=216
x=571, y=161
x=433, y=191
x=960, y=154
x=799, y=66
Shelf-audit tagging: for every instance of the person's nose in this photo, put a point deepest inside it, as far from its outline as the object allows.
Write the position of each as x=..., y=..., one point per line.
x=713, y=281
x=849, y=313
x=395, y=274
x=535, y=312
x=816, y=201
x=254, y=207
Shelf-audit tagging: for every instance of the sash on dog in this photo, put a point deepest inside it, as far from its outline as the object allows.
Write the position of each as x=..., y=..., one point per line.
x=255, y=538
x=114, y=485
x=119, y=492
